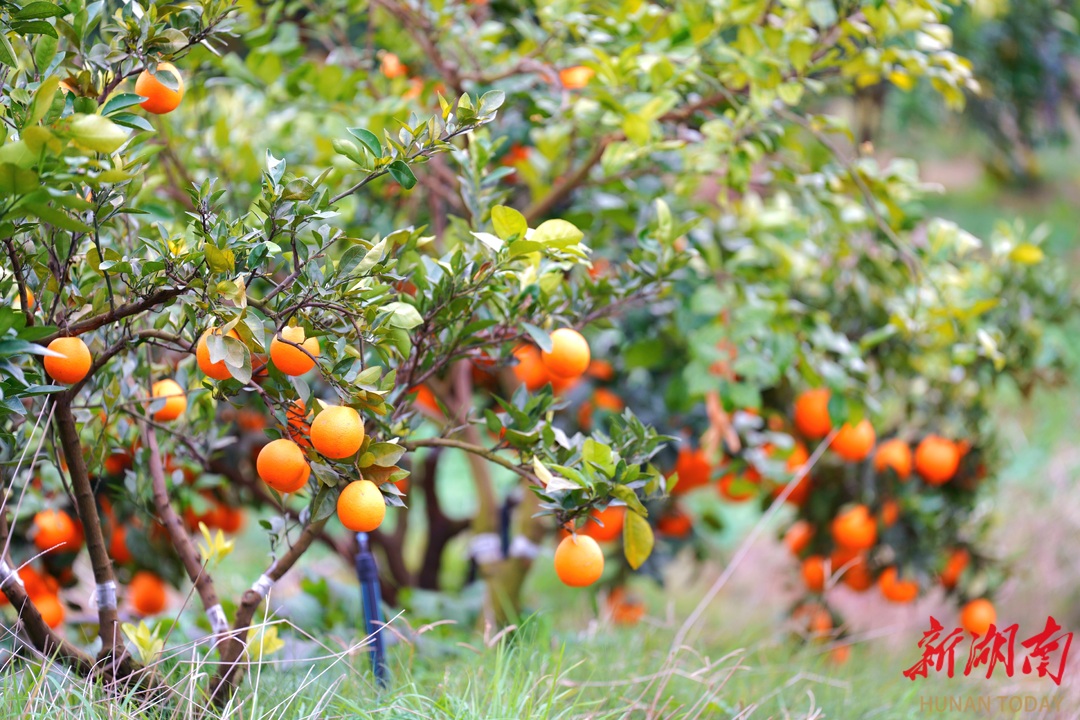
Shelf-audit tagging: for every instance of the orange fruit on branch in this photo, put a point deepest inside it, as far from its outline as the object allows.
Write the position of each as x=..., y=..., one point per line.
x=855, y=528
x=74, y=364
x=337, y=432
x=937, y=459
x=693, y=468
x=360, y=506
x=118, y=547
x=812, y=413
x=160, y=98
x=175, y=399
x=954, y=568
x=292, y=360
x=977, y=616
x=50, y=608
x=215, y=370
x=675, y=523
x=852, y=567
x=281, y=465
x=530, y=369
x=56, y=532
x=798, y=536
x=854, y=443
x=569, y=356
x=895, y=454
x=299, y=427
x=576, y=77
x=579, y=561
x=612, y=519
x=813, y=573
x=147, y=593
x=896, y=589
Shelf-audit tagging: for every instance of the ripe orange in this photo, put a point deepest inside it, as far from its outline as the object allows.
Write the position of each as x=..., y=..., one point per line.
x=569, y=356
x=854, y=443
x=612, y=518
x=797, y=458
x=50, y=608
x=530, y=369
x=281, y=465
x=895, y=454
x=977, y=616
x=56, y=532
x=693, y=469
x=744, y=492
x=229, y=519
x=798, y=536
x=391, y=66
x=299, y=428
x=215, y=370
x=890, y=512
x=855, y=528
x=291, y=360
x=147, y=593
x=576, y=77
x=118, y=546
x=117, y=462
x=337, y=432
x=675, y=523
x=160, y=99
x=361, y=507
x=853, y=568
x=624, y=608
x=813, y=573
x=954, y=568
x=601, y=370
x=840, y=654
x=425, y=398
x=812, y=414
x=896, y=589
x=176, y=400
x=602, y=399
x=579, y=561
x=17, y=305
x=36, y=584
x=937, y=459
x=75, y=363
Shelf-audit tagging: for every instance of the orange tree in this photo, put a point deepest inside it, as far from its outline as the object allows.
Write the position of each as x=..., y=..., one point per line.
x=155, y=301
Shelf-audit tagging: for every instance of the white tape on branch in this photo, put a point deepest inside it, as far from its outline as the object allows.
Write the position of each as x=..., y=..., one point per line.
x=485, y=548
x=219, y=624
x=7, y=574
x=523, y=547
x=263, y=585
x=105, y=595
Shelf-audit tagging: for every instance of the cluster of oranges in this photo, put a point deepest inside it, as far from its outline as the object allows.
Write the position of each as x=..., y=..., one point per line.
x=936, y=460
x=562, y=366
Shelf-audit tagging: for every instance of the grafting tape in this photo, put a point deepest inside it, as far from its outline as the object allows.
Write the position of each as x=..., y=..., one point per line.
x=523, y=547
x=263, y=585
x=8, y=573
x=219, y=624
x=105, y=595
x=485, y=548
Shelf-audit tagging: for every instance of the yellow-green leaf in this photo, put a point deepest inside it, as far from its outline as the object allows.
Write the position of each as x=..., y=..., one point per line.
x=637, y=540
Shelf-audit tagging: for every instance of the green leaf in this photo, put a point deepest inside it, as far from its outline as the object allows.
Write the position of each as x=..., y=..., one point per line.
x=97, y=133
x=540, y=337
x=822, y=12
x=35, y=27
x=403, y=315
x=15, y=181
x=58, y=218
x=119, y=102
x=637, y=540
x=7, y=53
x=557, y=233
x=42, y=99
x=385, y=454
x=37, y=10
x=629, y=497
x=45, y=51
x=219, y=261
x=508, y=222
x=369, y=139
x=349, y=150
x=403, y=174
